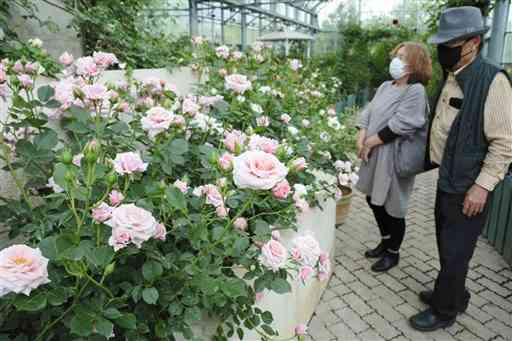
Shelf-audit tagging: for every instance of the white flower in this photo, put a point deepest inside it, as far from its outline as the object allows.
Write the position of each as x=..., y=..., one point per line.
x=292, y=130
x=325, y=137
x=306, y=123
x=256, y=108
x=300, y=191
x=53, y=185
x=35, y=42
x=265, y=89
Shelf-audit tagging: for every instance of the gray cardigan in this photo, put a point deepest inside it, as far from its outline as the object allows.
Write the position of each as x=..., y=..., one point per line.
x=402, y=109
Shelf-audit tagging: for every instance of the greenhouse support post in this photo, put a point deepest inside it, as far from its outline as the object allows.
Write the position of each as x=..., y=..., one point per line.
x=499, y=26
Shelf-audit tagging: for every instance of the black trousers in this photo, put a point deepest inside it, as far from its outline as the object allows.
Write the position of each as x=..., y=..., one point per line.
x=456, y=236
x=392, y=230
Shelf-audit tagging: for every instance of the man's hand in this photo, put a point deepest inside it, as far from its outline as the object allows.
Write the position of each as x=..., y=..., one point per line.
x=475, y=201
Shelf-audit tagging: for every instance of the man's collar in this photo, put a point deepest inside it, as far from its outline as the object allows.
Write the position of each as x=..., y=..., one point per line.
x=459, y=70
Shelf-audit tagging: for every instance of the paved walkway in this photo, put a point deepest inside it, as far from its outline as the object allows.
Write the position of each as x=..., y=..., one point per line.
x=359, y=305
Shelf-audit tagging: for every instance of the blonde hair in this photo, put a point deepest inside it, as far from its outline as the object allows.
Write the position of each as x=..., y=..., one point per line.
x=418, y=60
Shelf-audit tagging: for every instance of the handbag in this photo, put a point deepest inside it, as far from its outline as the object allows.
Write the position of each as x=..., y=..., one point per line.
x=410, y=151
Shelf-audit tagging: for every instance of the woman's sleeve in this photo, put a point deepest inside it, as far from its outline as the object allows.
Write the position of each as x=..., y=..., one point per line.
x=410, y=115
x=364, y=115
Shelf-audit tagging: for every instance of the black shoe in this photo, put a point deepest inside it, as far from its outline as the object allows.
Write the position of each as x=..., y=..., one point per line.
x=427, y=321
x=377, y=252
x=388, y=261
x=426, y=297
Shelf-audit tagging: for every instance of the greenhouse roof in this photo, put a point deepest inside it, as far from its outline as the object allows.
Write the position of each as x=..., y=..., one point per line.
x=286, y=35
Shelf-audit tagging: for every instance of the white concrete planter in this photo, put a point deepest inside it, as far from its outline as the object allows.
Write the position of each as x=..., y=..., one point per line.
x=298, y=306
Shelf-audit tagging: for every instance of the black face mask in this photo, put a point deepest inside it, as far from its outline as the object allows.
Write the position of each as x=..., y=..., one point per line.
x=450, y=56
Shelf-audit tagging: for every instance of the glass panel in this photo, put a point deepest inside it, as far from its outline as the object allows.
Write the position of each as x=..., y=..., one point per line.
x=507, y=53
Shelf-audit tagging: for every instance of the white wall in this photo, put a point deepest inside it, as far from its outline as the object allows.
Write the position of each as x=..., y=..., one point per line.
x=55, y=43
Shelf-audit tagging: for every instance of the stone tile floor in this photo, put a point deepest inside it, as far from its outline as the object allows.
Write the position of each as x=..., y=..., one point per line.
x=359, y=305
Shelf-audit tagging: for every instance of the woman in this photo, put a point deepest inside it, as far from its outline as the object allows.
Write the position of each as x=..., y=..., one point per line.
x=397, y=111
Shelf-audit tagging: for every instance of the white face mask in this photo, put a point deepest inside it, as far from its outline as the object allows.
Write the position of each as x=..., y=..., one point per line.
x=397, y=68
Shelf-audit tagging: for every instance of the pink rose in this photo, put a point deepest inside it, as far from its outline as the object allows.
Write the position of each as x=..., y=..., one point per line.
x=238, y=83
x=281, y=190
x=301, y=330
x=299, y=164
x=140, y=223
x=276, y=235
x=223, y=72
x=208, y=101
x=331, y=112
x=222, y=52
x=309, y=249
x=123, y=107
x=273, y=255
x=156, y=121
x=64, y=91
x=18, y=67
x=104, y=59
x=119, y=239
x=305, y=273
x=22, y=269
x=234, y=139
x=32, y=68
x=237, y=55
x=160, y=232
x=86, y=66
x=258, y=170
x=102, y=213
x=26, y=81
x=263, y=121
x=178, y=121
x=240, y=223
x=115, y=197
x=302, y=205
x=296, y=256
x=259, y=296
x=213, y=195
x=285, y=118
x=295, y=64
x=198, y=40
x=77, y=159
x=66, y=59
x=264, y=144
x=222, y=211
x=324, y=266
x=96, y=92
x=3, y=74
x=190, y=106
x=181, y=185
x=129, y=163
x=226, y=161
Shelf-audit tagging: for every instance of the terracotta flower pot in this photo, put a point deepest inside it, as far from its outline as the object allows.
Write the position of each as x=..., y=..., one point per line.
x=343, y=205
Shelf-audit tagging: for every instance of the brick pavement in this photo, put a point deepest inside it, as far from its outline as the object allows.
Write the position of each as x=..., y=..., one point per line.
x=359, y=305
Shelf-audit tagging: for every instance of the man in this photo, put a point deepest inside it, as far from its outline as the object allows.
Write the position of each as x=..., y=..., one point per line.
x=470, y=140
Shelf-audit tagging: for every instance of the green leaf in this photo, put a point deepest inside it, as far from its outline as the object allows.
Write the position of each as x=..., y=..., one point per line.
x=127, y=321
x=53, y=104
x=151, y=270
x=120, y=127
x=59, y=172
x=47, y=140
x=150, y=295
x=234, y=288
x=44, y=93
x=35, y=302
x=112, y=313
x=104, y=327
x=280, y=286
x=100, y=256
x=48, y=247
x=193, y=314
x=178, y=147
x=261, y=228
x=175, y=309
x=267, y=329
x=82, y=325
x=80, y=114
x=267, y=317
x=59, y=296
x=175, y=198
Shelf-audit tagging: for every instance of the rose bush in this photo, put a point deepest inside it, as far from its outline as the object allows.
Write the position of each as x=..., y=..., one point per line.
x=137, y=212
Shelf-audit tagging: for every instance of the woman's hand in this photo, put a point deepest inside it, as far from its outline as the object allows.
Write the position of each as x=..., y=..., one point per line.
x=370, y=143
x=360, y=143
